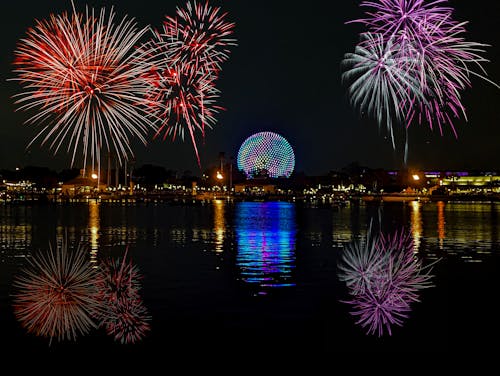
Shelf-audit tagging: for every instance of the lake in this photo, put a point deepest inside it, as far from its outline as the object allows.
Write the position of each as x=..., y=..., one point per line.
x=252, y=276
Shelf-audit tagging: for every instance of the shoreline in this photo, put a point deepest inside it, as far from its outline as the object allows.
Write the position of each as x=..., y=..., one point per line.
x=338, y=201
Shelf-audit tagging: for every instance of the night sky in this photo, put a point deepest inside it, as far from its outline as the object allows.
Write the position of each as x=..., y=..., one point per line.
x=284, y=76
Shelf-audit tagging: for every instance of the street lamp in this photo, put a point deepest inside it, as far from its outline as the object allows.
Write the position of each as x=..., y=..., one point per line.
x=94, y=177
x=416, y=177
x=220, y=177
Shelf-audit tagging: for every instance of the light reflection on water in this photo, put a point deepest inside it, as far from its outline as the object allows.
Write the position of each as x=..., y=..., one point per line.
x=261, y=246
x=265, y=236
x=416, y=223
x=465, y=230
x=15, y=231
x=468, y=231
x=211, y=234
x=441, y=223
x=219, y=225
x=94, y=224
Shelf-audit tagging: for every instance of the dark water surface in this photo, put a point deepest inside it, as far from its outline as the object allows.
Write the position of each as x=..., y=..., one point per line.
x=262, y=276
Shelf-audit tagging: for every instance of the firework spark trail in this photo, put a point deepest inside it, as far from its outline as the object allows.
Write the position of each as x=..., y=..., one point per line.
x=56, y=294
x=85, y=79
x=431, y=48
x=123, y=314
x=384, y=278
x=186, y=57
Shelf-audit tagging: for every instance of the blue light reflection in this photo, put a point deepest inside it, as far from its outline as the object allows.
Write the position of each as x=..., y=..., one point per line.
x=265, y=235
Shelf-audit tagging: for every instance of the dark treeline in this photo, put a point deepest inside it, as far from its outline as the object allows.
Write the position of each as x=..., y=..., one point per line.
x=150, y=175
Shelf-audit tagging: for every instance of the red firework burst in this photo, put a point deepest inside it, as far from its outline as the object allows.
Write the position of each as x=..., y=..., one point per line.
x=199, y=35
x=183, y=101
x=83, y=77
x=186, y=56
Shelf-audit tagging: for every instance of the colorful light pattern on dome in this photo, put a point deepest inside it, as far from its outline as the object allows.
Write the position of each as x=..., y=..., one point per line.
x=266, y=152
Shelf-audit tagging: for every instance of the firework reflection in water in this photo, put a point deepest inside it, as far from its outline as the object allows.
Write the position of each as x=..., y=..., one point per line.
x=383, y=277
x=122, y=313
x=56, y=293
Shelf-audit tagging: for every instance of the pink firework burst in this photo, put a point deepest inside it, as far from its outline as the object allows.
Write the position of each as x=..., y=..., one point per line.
x=56, y=294
x=122, y=314
x=83, y=77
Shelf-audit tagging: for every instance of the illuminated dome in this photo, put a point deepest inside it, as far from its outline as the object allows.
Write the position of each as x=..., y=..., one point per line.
x=266, y=152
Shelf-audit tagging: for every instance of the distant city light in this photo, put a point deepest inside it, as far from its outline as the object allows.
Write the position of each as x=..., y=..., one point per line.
x=267, y=153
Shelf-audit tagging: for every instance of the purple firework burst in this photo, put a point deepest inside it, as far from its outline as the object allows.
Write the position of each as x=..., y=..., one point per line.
x=433, y=55
x=384, y=278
